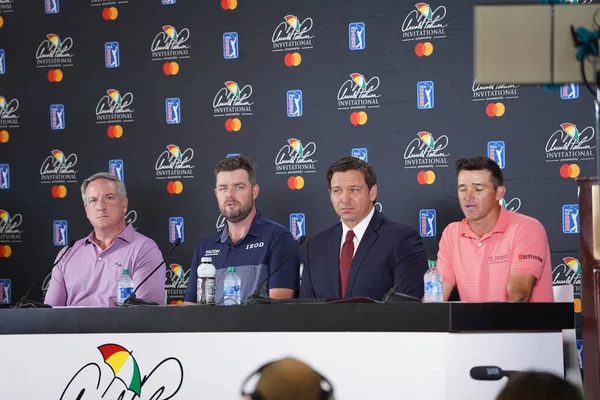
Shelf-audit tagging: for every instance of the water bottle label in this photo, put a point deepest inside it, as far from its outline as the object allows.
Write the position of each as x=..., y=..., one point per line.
x=125, y=292
x=206, y=290
x=433, y=287
x=232, y=291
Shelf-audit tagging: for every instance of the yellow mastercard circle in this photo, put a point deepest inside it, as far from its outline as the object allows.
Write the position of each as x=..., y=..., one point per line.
x=233, y=4
x=574, y=170
x=362, y=118
x=118, y=131
x=58, y=75
x=429, y=177
x=577, y=305
x=62, y=191
x=237, y=124
x=428, y=48
x=1, y=22
x=178, y=187
x=299, y=182
x=174, y=68
x=297, y=59
x=500, y=109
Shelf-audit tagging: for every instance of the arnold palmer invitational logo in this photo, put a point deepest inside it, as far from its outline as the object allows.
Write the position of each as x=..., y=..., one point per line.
x=9, y=224
x=115, y=107
x=425, y=151
x=513, y=205
x=494, y=92
x=55, y=52
x=568, y=273
x=8, y=113
x=293, y=34
x=570, y=143
x=171, y=44
x=233, y=100
x=424, y=22
x=359, y=92
x=296, y=158
x=59, y=167
x=114, y=373
x=175, y=163
x=176, y=283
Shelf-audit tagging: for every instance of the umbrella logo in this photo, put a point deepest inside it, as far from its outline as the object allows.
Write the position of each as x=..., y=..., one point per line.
x=123, y=365
x=163, y=381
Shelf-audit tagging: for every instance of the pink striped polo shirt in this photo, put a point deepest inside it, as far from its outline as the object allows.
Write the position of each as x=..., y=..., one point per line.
x=480, y=267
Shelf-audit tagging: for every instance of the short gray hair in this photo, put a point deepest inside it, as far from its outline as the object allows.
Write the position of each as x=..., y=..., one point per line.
x=121, y=191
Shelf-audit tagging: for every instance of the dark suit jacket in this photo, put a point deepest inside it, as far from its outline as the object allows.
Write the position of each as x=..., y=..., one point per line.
x=387, y=252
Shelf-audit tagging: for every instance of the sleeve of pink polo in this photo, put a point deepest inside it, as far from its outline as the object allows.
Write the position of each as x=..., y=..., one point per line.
x=56, y=295
x=444, y=259
x=530, y=245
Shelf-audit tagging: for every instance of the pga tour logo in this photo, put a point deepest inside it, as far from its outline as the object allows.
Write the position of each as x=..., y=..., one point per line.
x=425, y=100
x=57, y=117
x=112, y=55
x=2, y=62
x=427, y=223
x=5, y=291
x=356, y=36
x=61, y=233
x=175, y=229
x=294, y=103
x=570, y=218
x=496, y=151
x=297, y=225
x=173, y=110
x=230, y=45
x=51, y=6
x=115, y=168
x=360, y=153
x=4, y=176
x=168, y=2
x=569, y=91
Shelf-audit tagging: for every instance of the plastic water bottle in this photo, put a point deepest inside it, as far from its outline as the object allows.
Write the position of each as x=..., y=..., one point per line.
x=124, y=286
x=232, y=289
x=205, y=288
x=433, y=284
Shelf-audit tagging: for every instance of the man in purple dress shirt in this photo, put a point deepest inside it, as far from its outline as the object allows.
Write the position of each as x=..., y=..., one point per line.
x=88, y=274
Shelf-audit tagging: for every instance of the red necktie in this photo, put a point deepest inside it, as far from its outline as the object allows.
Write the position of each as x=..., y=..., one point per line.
x=346, y=260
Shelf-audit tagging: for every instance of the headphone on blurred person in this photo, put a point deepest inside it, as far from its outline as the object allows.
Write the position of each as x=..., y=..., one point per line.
x=325, y=391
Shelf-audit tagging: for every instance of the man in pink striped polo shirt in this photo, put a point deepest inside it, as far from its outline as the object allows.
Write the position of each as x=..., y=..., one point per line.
x=493, y=254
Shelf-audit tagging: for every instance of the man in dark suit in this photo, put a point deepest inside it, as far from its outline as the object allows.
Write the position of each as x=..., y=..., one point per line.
x=365, y=254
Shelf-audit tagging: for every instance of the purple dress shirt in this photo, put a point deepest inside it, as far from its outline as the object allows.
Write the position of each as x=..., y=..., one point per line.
x=88, y=275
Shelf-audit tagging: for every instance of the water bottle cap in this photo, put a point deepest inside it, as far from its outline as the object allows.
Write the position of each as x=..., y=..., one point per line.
x=431, y=263
x=231, y=269
x=206, y=260
x=125, y=272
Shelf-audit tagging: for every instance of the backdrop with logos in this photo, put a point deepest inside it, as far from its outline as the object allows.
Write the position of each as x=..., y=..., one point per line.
x=158, y=91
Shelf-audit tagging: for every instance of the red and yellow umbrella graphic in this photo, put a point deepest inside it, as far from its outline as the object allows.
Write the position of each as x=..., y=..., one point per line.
x=123, y=365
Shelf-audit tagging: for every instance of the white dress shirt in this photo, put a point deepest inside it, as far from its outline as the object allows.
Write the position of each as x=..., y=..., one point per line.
x=359, y=231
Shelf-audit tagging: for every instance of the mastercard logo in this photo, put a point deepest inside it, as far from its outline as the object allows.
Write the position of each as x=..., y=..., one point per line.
x=110, y=13
x=233, y=124
x=495, y=110
x=570, y=171
x=229, y=4
x=176, y=302
x=4, y=136
x=426, y=177
x=292, y=59
x=5, y=251
x=175, y=187
x=171, y=68
x=358, y=118
x=59, y=191
x=424, y=49
x=115, y=131
x=295, y=182
x=55, y=75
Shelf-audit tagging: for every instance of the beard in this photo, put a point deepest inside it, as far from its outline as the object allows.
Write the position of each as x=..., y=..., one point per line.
x=237, y=215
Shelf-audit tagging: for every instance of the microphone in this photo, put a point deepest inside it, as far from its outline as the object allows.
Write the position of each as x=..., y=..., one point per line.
x=393, y=297
x=133, y=301
x=255, y=297
x=36, y=304
x=489, y=373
